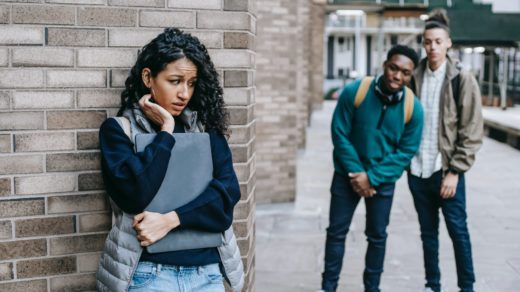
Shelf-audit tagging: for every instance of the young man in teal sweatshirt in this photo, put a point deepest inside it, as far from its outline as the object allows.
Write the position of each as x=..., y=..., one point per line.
x=375, y=131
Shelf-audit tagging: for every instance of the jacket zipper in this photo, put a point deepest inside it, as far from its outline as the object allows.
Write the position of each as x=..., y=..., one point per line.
x=381, y=117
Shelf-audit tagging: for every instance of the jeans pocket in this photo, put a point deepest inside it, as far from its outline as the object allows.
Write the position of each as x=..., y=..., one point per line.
x=142, y=278
x=213, y=274
x=215, y=278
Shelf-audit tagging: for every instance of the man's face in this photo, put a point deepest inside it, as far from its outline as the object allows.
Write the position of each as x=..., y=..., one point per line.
x=436, y=42
x=397, y=72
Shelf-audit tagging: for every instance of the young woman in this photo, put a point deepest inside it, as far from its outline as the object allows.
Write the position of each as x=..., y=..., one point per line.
x=172, y=88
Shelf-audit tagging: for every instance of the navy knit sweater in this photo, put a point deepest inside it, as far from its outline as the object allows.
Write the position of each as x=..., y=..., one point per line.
x=132, y=180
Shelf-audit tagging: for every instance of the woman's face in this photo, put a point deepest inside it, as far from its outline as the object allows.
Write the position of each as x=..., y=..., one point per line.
x=173, y=87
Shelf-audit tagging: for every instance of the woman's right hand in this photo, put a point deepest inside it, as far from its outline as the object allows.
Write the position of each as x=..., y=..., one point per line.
x=157, y=114
x=152, y=226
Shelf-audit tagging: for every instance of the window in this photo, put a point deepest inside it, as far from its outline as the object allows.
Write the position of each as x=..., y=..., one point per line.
x=393, y=40
x=341, y=42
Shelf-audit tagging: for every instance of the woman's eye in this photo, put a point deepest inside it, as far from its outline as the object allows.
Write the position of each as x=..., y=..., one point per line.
x=175, y=82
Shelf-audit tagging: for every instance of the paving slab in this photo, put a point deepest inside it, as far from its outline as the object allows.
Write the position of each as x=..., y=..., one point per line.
x=290, y=237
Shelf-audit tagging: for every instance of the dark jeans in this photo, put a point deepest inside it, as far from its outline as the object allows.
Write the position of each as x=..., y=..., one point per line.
x=343, y=203
x=427, y=200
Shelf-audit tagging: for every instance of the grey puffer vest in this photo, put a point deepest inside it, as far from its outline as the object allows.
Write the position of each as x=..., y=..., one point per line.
x=122, y=249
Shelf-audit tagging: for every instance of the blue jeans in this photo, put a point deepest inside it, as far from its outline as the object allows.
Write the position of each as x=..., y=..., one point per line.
x=152, y=277
x=343, y=203
x=427, y=200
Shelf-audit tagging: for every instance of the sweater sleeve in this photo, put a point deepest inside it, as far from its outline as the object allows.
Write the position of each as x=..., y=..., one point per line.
x=344, y=150
x=393, y=165
x=132, y=179
x=213, y=209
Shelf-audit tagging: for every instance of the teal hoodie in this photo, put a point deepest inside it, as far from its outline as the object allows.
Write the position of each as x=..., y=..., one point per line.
x=373, y=139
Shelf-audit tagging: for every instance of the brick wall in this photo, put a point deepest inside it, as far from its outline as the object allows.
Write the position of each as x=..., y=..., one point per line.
x=276, y=98
x=317, y=30
x=286, y=91
x=63, y=64
x=303, y=49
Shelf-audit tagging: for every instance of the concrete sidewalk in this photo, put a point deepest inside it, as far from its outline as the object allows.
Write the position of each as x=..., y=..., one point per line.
x=290, y=237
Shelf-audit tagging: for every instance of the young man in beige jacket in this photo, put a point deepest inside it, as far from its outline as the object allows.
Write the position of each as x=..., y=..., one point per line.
x=452, y=134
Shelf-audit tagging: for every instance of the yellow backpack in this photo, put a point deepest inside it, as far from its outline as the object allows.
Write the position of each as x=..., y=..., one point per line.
x=408, y=99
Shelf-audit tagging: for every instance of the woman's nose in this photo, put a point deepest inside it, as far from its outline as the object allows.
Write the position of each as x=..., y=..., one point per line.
x=183, y=93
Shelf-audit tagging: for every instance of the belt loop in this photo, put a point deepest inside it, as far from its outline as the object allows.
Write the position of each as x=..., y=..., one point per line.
x=159, y=267
x=200, y=269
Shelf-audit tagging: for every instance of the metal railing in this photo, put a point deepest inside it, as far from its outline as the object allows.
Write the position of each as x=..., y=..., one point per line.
x=388, y=22
x=394, y=2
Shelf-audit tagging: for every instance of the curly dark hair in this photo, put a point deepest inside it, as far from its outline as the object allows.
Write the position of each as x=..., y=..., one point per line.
x=169, y=46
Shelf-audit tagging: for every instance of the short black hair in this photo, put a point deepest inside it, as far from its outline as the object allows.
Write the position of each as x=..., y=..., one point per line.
x=405, y=51
x=438, y=18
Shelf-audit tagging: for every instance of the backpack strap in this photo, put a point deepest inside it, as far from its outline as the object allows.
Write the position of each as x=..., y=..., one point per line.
x=124, y=123
x=362, y=90
x=455, y=91
x=408, y=105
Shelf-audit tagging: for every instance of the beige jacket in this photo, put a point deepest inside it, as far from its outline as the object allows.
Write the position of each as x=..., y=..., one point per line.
x=460, y=135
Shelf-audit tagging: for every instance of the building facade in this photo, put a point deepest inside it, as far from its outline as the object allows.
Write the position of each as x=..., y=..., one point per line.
x=359, y=34
x=357, y=42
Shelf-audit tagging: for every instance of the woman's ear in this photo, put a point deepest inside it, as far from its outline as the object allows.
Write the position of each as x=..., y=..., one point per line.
x=146, y=77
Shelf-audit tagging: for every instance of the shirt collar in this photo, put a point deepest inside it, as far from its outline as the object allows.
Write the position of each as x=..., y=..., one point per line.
x=437, y=73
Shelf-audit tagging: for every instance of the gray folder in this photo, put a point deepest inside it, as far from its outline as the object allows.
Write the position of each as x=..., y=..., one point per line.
x=189, y=172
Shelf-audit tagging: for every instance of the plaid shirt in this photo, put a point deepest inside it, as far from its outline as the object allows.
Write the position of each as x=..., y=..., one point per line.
x=428, y=159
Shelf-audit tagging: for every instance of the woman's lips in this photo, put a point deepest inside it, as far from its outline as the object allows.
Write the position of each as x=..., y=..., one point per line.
x=178, y=106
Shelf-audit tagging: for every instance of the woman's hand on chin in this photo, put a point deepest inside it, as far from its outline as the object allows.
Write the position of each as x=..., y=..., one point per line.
x=152, y=226
x=157, y=113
